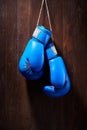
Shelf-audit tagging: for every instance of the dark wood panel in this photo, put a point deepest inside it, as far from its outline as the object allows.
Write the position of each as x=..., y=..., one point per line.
x=22, y=103
x=75, y=55
x=2, y=65
x=10, y=82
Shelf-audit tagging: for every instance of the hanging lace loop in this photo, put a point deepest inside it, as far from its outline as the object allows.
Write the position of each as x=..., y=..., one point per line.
x=48, y=15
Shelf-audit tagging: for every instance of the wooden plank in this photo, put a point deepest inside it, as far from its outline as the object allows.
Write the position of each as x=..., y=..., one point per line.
x=75, y=55
x=2, y=65
x=10, y=82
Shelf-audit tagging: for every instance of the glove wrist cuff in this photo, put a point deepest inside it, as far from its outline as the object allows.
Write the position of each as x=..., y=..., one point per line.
x=42, y=34
x=51, y=51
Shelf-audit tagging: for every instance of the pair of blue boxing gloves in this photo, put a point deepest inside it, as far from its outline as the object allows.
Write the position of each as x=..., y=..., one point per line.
x=32, y=61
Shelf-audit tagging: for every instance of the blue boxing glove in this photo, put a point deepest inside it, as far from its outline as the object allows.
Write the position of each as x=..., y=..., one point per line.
x=60, y=83
x=32, y=60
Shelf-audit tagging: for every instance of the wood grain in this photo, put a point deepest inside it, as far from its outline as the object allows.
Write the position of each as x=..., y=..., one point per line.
x=22, y=103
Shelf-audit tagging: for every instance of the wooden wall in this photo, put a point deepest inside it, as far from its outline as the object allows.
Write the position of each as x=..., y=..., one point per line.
x=23, y=106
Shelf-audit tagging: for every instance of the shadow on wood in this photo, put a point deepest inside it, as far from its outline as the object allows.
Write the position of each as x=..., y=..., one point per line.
x=67, y=112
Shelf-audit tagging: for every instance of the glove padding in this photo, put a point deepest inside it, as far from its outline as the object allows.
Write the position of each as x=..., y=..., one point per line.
x=60, y=83
x=32, y=60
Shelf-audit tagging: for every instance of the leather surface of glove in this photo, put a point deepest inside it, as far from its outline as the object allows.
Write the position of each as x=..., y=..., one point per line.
x=32, y=60
x=59, y=79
